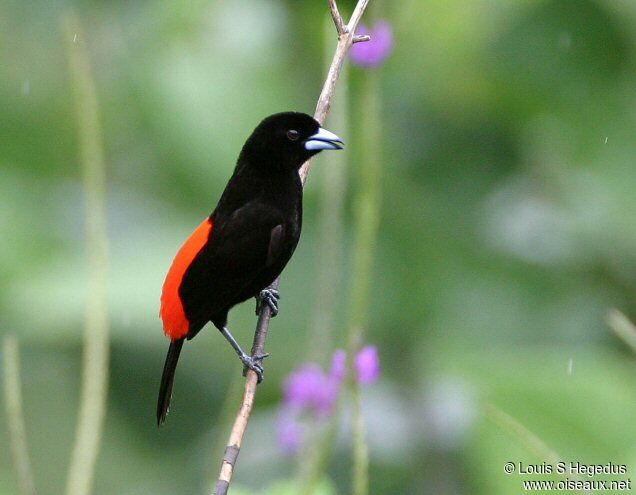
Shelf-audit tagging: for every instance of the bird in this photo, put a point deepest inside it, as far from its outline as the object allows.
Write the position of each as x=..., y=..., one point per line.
x=244, y=244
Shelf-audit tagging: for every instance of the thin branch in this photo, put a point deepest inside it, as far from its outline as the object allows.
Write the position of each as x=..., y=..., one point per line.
x=15, y=416
x=92, y=410
x=337, y=18
x=324, y=100
x=359, y=38
x=356, y=16
x=345, y=41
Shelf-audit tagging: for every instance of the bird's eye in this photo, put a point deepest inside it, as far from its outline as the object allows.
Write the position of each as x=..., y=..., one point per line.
x=292, y=135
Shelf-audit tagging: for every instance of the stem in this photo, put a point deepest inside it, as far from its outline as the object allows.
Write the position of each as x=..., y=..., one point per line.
x=15, y=415
x=367, y=210
x=367, y=220
x=525, y=437
x=96, y=345
x=322, y=108
x=360, y=448
x=622, y=327
x=367, y=206
x=318, y=456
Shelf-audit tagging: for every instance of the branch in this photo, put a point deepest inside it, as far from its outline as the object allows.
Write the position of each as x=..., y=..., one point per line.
x=346, y=37
x=341, y=28
x=359, y=38
x=15, y=416
x=337, y=18
x=324, y=100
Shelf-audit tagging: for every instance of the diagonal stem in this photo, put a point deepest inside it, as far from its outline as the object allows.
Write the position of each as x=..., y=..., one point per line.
x=622, y=327
x=92, y=412
x=15, y=415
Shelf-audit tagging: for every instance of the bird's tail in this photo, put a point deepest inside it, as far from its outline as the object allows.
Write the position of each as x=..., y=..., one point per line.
x=165, y=390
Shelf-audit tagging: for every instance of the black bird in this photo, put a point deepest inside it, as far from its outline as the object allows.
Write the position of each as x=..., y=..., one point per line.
x=240, y=249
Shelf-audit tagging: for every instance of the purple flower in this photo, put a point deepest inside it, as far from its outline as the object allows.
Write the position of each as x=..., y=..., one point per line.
x=302, y=385
x=307, y=389
x=375, y=51
x=288, y=431
x=367, y=365
x=338, y=364
x=310, y=390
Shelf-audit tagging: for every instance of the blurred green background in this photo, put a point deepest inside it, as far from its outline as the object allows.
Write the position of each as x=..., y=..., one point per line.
x=507, y=233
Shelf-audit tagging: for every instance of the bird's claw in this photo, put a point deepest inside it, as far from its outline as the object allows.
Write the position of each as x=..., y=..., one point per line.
x=254, y=363
x=269, y=297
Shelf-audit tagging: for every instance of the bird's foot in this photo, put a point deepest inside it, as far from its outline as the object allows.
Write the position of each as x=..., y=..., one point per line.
x=254, y=363
x=269, y=297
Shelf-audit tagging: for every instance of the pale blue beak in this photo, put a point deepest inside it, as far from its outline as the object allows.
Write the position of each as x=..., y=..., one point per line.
x=323, y=140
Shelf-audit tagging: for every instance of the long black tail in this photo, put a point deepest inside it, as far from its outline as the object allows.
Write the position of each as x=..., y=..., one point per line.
x=165, y=390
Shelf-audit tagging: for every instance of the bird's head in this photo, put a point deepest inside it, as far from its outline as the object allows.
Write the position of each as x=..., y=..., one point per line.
x=287, y=140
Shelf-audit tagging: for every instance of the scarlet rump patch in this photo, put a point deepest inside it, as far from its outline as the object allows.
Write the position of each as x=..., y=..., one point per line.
x=175, y=323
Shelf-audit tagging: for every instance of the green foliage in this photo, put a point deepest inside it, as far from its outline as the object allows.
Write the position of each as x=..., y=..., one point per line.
x=325, y=487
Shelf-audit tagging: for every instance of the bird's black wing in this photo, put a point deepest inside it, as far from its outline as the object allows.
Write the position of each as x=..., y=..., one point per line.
x=243, y=248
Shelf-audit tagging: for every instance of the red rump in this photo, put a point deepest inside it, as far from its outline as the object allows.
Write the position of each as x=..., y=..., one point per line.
x=175, y=323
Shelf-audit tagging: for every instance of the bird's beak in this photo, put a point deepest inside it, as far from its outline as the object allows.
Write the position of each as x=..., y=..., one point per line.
x=323, y=140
